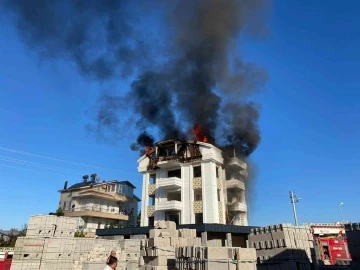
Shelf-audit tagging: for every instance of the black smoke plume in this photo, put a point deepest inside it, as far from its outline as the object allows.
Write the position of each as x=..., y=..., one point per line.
x=98, y=36
x=197, y=77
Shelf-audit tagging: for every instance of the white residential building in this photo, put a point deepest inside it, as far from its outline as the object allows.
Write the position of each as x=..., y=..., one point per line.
x=100, y=205
x=189, y=183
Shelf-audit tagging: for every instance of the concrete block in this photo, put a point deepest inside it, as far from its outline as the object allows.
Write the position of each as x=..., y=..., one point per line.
x=159, y=242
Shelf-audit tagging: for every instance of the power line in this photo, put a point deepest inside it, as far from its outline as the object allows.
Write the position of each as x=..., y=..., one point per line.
x=60, y=160
x=14, y=167
x=35, y=164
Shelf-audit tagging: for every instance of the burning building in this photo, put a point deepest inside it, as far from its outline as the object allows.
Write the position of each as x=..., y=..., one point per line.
x=192, y=182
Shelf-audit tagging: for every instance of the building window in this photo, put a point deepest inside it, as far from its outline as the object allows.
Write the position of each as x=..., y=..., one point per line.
x=175, y=173
x=199, y=218
x=112, y=188
x=152, y=179
x=151, y=201
x=151, y=221
x=197, y=171
x=217, y=172
x=64, y=206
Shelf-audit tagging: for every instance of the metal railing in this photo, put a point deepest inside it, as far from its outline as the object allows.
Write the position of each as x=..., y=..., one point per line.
x=103, y=209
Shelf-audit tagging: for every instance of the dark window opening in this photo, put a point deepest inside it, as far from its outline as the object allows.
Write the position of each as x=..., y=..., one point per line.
x=173, y=216
x=218, y=195
x=151, y=221
x=175, y=173
x=217, y=172
x=174, y=196
x=151, y=201
x=152, y=179
x=228, y=176
x=199, y=218
x=197, y=171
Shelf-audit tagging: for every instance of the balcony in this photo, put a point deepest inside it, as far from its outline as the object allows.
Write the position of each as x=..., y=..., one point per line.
x=235, y=162
x=94, y=211
x=237, y=207
x=169, y=183
x=234, y=183
x=102, y=195
x=169, y=206
x=197, y=207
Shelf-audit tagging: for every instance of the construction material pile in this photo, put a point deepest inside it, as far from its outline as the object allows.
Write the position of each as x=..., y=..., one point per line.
x=203, y=258
x=168, y=247
x=50, y=244
x=353, y=238
x=158, y=251
x=283, y=246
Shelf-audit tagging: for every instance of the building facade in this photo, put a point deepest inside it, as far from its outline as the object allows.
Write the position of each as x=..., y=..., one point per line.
x=100, y=205
x=191, y=183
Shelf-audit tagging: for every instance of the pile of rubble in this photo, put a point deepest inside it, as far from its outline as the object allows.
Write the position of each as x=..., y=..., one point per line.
x=283, y=246
x=353, y=238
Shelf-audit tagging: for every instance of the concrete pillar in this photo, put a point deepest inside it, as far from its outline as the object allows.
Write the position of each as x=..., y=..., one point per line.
x=160, y=196
x=223, y=194
x=204, y=239
x=209, y=192
x=145, y=199
x=228, y=240
x=187, y=195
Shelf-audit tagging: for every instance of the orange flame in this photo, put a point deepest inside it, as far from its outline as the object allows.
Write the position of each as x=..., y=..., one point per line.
x=199, y=134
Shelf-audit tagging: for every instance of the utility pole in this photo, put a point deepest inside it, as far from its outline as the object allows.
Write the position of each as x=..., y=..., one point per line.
x=342, y=216
x=294, y=200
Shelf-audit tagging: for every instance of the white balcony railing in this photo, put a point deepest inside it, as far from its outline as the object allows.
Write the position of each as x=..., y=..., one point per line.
x=169, y=182
x=96, y=208
x=168, y=206
x=237, y=207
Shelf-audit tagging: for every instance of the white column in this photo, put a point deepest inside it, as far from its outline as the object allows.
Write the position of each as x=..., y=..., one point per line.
x=223, y=194
x=145, y=200
x=209, y=192
x=160, y=196
x=187, y=195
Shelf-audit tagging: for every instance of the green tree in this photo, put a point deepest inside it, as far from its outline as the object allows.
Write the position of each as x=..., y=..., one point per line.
x=12, y=237
x=79, y=234
x=59, y=212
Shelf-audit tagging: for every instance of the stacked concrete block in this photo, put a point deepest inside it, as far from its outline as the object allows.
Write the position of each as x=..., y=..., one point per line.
x=353, y=238
x=158, y=252
x=51, y=226
x=283, y=245
x=28, y=253
x=220, y=258
x=43, y=253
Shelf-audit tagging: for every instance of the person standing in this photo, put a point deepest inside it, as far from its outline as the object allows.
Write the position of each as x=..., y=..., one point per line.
x=112, y=254
x=112, y=264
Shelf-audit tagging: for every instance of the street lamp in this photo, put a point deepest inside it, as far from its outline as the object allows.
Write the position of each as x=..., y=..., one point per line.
x=341, y=213
x=294, y=200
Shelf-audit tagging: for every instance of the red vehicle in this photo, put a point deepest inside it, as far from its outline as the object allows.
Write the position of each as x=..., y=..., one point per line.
x=331, y=244
x=5, y=258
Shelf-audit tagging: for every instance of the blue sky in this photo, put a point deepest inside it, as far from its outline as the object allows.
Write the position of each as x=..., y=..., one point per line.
x=309, y=121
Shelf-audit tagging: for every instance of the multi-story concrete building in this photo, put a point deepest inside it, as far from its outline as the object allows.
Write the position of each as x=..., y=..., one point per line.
x=99, y=205
x=191, y=182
